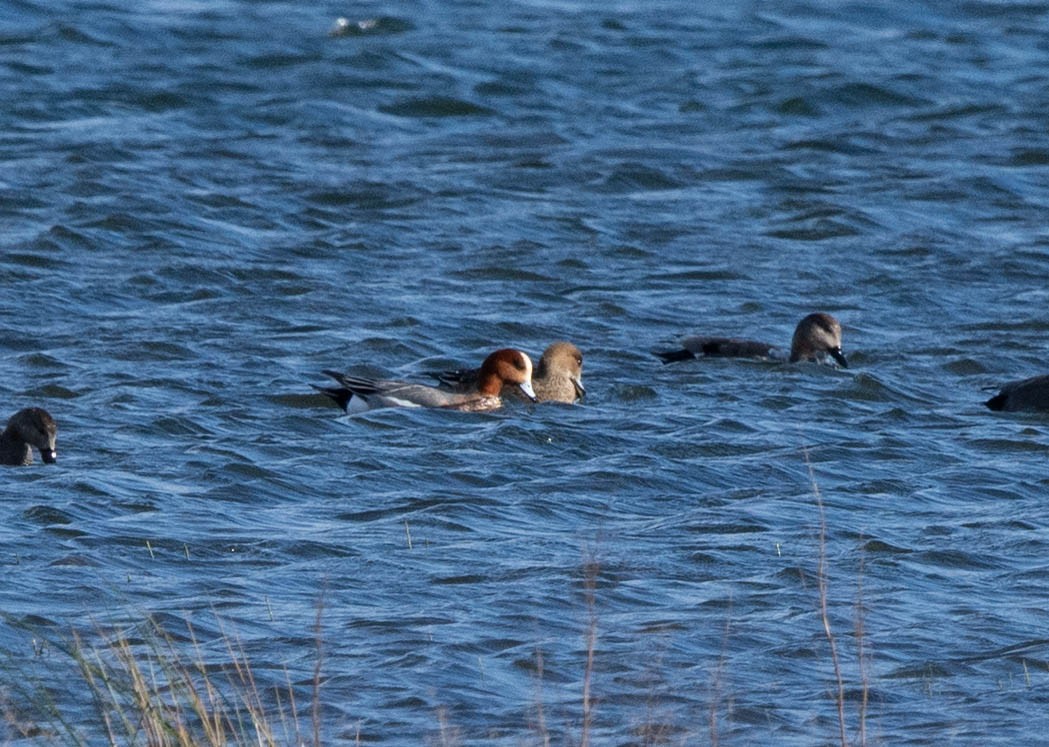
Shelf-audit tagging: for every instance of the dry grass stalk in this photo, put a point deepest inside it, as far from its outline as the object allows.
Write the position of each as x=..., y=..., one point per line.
x=318, y=632
x=590, y=573
x=861, y=655
x=719, y=672
x=158, y=694
x=822, y=579
x=859, y=629
x=540, y=714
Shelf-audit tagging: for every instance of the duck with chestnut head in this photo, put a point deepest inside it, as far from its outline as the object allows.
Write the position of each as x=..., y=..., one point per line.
x=501, y=371
x=558, y=377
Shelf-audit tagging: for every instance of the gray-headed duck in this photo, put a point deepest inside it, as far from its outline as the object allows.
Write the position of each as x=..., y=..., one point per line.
x=817, y=336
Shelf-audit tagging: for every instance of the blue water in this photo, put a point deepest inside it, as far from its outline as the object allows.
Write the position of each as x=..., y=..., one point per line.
x=205, y=204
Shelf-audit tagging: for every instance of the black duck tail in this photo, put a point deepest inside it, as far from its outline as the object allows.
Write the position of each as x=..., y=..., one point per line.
x=672, y=356
x=340, y=394
x=997, y=402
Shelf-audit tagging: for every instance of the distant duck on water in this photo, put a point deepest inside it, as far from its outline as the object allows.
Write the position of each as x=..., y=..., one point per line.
x=816, y=337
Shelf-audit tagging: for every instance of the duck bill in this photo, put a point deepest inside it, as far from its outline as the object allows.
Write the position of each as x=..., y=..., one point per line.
x=526, y=387
x=839, y=356
x=580, y=390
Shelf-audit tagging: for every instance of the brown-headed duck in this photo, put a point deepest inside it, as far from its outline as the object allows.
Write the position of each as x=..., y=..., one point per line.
x=30, y=427
x=558, y=377
x=500, y=370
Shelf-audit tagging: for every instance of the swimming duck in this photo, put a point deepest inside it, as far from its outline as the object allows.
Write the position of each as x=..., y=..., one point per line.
x=32, y=426
x=817, y=336
x=501, y=368
x=1028, y=394
x=557, y=378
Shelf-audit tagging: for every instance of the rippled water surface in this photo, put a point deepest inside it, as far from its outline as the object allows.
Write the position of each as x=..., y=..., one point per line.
x=203, y=204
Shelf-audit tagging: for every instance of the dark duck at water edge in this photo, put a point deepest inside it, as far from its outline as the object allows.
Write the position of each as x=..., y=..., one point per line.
x=816, y=337
x=27, y=428
x=1030, y=395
